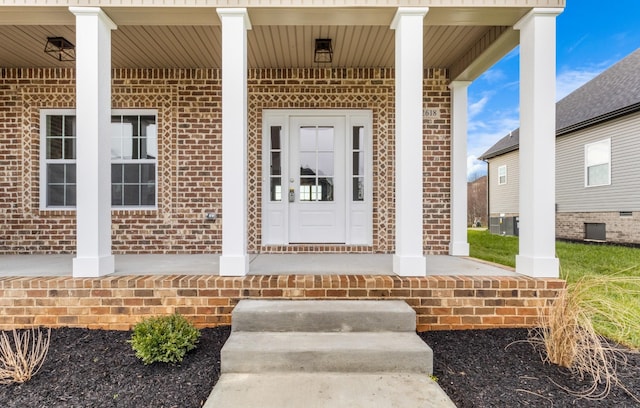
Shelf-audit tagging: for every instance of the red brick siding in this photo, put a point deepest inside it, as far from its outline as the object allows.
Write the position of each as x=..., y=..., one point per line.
x=189, y=162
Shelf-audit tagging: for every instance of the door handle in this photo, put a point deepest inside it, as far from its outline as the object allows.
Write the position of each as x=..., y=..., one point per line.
x=292, y=195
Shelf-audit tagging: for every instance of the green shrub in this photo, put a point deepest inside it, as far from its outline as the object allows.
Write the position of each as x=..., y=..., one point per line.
x=165, y=339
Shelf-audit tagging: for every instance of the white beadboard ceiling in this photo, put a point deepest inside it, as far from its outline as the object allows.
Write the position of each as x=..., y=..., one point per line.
x=280, y=37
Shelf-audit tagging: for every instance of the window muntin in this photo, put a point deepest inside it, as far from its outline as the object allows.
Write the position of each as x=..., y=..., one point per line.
x=597, y=159
x=134, y=151
x=502, y=175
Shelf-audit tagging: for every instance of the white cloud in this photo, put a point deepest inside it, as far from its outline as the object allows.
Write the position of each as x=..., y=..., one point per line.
x=493, y=75
x=475, y=168
x=476, y=108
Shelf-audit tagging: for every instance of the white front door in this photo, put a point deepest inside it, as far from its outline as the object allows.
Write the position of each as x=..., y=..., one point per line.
x=316, y=174
x=317, y=177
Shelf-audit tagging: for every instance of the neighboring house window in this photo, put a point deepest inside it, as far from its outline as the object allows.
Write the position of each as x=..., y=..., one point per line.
x=134, y=153
x=597, y=159
x=502, y=174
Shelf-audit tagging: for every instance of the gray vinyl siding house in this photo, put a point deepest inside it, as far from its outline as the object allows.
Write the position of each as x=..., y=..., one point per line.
x=597, y=161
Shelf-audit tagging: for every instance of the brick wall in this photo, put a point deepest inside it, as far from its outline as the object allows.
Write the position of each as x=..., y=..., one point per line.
x=619, y=229
x=441, y=303
x=189, y=162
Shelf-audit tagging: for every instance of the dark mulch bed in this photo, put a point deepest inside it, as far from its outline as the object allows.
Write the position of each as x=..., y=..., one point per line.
x=88, y=368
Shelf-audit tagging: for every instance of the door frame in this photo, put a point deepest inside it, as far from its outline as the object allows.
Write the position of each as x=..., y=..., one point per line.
x=358, y=214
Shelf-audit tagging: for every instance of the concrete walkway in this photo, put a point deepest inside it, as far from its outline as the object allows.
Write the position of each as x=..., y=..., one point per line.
x=325, y=354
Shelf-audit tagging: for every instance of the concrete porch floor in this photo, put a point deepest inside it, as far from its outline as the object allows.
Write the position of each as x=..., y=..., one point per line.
x=261, y=264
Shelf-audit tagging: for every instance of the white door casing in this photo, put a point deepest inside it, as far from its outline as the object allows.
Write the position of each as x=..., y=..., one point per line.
x=317, y=177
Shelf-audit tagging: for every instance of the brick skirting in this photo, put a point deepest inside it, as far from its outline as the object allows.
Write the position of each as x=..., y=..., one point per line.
x=117, y=303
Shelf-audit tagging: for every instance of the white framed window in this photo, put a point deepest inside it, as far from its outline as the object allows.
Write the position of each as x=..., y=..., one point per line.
x=502, y=174
x=597, y=163
x=134, y=159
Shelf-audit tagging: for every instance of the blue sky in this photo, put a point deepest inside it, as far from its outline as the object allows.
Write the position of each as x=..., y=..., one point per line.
x=592, y=35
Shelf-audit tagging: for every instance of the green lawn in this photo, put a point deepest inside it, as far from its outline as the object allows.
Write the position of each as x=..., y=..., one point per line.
x=578, y=260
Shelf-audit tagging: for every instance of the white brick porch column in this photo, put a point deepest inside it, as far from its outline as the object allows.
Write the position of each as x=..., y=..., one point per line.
x=459, y=245
x=409, y=258
x=235, y=23
x=93, y=144
x=536, y=256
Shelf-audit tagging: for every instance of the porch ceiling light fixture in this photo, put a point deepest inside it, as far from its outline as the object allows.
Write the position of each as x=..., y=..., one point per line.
x=324, y=51
x=60, y=48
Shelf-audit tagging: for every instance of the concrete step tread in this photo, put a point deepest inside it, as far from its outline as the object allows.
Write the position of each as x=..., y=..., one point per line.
x=323, y=315
x=327, y=390
x=325, y=341
x=255, y=352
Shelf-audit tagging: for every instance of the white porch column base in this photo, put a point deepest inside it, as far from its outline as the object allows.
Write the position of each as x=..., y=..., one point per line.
x=409, y=265
x=537, y=267
x=93, y=267
x=93, y=143
x=409, y=258
x=459, y=245
x=234, y=265
x=459, y=248
x=235, y=23
x=537, y=144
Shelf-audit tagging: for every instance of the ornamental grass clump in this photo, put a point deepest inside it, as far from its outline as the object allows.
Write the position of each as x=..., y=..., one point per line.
x=22, y=356
x=164, y=339
x=570, y=331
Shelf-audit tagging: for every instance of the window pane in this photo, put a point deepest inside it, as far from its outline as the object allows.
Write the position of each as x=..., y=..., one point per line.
x=55, y=173
x=358, y=189
x=131, y=122
x=276, y=169
x=358, y=163
x=142, y=148
x=54, y=148
x=147, y=123
x=276, y=189
x=54, y=125
x=598, y=153
x=70, y=126
x=70, y=173
x=325, y=189
x=55, y=196
x=358, y=137
x=131, y=195
x=148, y=173
x=70, y=148
x=305, y=188
x=116, y=173
x=307, y=164
x=325, y=164
x=325, y=138
x=275, y=137
x=598, y=175
x=116, y=194
x=148, y=195
x=308, y=139
x=71, y=196
x=131, y=173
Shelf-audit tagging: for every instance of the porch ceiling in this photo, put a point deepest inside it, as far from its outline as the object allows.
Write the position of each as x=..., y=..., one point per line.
x=280, y=37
